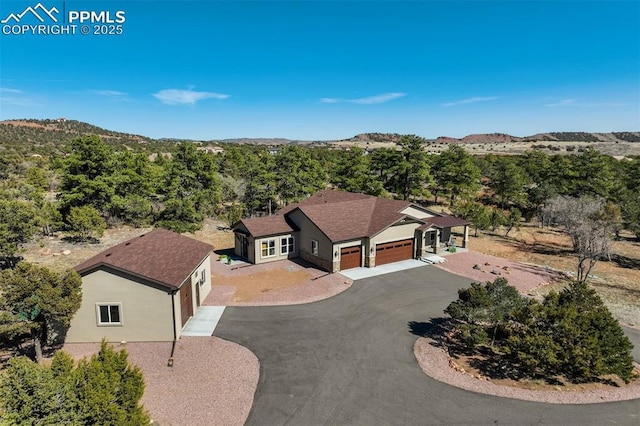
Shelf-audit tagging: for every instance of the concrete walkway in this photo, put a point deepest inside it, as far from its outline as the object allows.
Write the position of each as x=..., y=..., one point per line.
x=360, y=273
x=204, y=322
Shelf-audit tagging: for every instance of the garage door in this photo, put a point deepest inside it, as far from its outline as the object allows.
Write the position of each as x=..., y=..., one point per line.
x=350, y=258
x=394, y=251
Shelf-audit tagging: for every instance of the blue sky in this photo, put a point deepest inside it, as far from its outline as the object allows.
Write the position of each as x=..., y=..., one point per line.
x=331, y=69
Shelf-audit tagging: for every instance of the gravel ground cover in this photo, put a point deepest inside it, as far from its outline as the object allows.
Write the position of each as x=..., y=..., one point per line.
x=522, y=276
x=212, y=381
x=436, y=363
x=278, y=283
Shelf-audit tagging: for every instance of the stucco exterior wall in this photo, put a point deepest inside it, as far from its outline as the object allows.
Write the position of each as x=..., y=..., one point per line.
x=397, y=232
x=256, y=248
x=308, y=232
x=205, y=287
x=145, y=310
x=237, y=248
x=415, y=211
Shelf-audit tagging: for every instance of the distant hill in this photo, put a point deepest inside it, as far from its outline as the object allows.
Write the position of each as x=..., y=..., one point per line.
x=47, y=135
x=545, y=137
x=60, y=130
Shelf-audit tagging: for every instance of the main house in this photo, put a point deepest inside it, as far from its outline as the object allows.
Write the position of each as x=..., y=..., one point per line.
x=338, y=230
x=144, y=289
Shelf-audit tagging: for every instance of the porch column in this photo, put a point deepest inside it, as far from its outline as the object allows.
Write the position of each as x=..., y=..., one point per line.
x=436, y=243
x=465, y=240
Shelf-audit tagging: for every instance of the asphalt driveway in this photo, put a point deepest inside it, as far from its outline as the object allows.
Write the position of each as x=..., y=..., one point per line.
x=349, y=360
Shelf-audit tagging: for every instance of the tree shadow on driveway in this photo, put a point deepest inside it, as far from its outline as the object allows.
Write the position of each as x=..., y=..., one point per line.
x=435, y=329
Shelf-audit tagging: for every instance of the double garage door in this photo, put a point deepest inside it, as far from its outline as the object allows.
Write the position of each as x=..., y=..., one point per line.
x=394, y=251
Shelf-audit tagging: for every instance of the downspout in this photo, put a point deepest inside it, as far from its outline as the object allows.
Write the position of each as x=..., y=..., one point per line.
x=175, y=331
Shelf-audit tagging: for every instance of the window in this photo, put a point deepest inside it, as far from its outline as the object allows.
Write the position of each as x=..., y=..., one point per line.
x=109, y=313
x=314, y=247
x=203, y=276
x=286, y=245
x=268, y=248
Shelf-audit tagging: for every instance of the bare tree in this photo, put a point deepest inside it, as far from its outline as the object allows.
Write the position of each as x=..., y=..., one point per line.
x=594, y=243
x=590, y=226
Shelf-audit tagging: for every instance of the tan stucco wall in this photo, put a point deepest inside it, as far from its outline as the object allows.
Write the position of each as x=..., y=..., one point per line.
x=204, y=288
x=256, y=249
x=145, y=314
x=309, y=231
x=237, y=249
x=417, y=212
x=396, y=232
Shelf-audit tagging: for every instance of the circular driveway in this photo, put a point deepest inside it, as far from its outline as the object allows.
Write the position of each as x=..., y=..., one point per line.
x=348, y=360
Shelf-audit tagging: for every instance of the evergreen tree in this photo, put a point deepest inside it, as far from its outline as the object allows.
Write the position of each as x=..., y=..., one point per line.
x=411, y=172
x=105, y=390
x=17, y=226
x=299, y=175
x=37, y=301
x=352, y=173
x=455, y=173
x=87, y=177
x=85, y=223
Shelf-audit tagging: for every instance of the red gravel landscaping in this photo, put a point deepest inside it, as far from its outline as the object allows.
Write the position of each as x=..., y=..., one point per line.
x=212, y=381
x=522, y=276
x=283, y=282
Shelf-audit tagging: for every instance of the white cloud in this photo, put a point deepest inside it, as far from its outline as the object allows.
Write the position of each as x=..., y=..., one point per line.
x=471, y=100
x=370, y=100
x=378, y=99
x=574, y=103
x=17, y=97
x=108, y=93
x=185, y=97
x=7, y=90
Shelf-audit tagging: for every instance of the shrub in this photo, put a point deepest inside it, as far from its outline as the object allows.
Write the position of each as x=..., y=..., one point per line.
x=570, y=334
x=102, y=390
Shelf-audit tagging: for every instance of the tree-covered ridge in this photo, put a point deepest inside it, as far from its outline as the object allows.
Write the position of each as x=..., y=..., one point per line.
x=178, y=188
x=49, y=137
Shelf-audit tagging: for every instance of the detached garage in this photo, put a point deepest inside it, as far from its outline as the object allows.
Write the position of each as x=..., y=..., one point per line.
x=394, y=251
x=144, y=289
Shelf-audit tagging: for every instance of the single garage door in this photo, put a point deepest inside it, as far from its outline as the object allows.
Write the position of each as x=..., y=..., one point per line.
x=394, y=251
x=350, y=257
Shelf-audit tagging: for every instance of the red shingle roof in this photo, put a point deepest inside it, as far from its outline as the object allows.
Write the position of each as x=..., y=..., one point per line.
x=264, y=226
x=160, y=256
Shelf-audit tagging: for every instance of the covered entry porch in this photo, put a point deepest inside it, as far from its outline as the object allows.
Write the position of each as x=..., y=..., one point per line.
x=443, y=234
